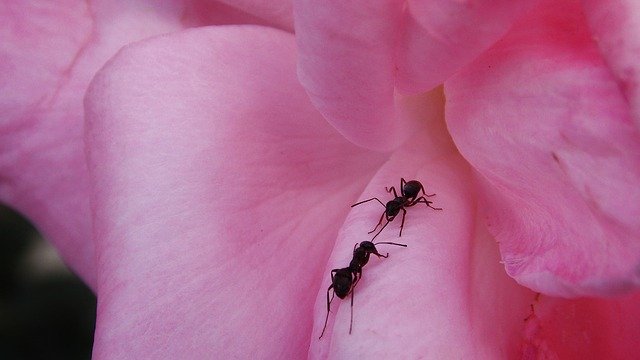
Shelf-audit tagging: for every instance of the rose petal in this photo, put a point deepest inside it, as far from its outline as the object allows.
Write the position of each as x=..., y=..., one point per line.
x=544, y=123
x=445, y=296
x=346, y=64
x=278, y=13
x=219, y=192
x=50, y=52
x=439, y=37
x=615, y=25
x=582, y=328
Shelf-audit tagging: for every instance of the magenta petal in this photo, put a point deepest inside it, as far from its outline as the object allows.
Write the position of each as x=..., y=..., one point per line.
x=582, y=328
x=544, y=123
x=219, y=190
x=346, y=64
x=616, y=25
x=439, y=37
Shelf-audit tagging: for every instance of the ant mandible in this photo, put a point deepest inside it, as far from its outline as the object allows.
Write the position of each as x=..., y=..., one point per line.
x=344, y=281
x=409, y=192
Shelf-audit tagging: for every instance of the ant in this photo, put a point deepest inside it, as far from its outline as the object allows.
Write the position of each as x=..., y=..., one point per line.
x=344, y=281
x=409, y=191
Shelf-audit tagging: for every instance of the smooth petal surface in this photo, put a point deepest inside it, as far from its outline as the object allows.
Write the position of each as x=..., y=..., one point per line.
x=439, y=37
x=346, y=64
x=219, y=191
x=616, y=25
x=544, y=123
x=445, y=296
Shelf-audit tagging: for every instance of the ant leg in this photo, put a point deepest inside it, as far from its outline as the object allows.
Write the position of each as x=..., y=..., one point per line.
x=422, y=199
x=379, y=222
x=385, y=225
x=376, y=253
x=403, y=182
x=395, y=194
x=364, y=201
x=328, y=310
x=351, y=323
x=424, y=192
x=404, y=212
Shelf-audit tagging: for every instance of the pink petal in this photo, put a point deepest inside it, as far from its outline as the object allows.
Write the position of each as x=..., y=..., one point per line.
x=42, y=169
x=49, y=54
x=439, y=37
x=547, y=128
x=582, y=328
x=277, y=13
x=445, y=296
x=346, y=64
x=219, y=192
x=615, y=25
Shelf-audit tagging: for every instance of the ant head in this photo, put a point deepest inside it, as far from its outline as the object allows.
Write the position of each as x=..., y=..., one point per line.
x=367, y=245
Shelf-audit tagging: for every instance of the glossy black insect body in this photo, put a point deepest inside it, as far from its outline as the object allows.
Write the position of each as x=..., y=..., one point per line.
x=409, y=192
x=344, y=280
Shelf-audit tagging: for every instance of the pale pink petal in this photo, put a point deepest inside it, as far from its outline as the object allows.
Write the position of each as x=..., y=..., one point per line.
x=439, y=37
x=219, y=190
x=545, y=125
x=346, y=64
x=445, y=296
x=616, y=25
x=49, y=52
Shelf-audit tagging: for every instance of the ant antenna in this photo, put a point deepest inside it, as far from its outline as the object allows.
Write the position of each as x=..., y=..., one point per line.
x=389, y=243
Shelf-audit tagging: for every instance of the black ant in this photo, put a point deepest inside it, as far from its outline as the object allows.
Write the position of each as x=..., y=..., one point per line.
x=344, y=281
x=409, y=192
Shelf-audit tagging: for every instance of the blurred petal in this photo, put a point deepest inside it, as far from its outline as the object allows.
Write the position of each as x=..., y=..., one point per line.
x=445, y=296
x=439, y=37
x=616, y=25
x=219, y=192
x=546, y=126
x=346, y=64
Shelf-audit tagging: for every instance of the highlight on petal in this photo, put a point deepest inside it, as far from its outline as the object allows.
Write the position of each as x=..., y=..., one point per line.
x=346, y=65
x=546, y=127
x=615, y=25
x=219, y=190
x=446, y=287
x=439, y=37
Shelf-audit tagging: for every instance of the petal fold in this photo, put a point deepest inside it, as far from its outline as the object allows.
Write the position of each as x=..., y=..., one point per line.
x=219, y=190
x=544, y=123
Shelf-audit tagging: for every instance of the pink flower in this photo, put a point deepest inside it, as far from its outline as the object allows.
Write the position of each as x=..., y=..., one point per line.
x=203, y=194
